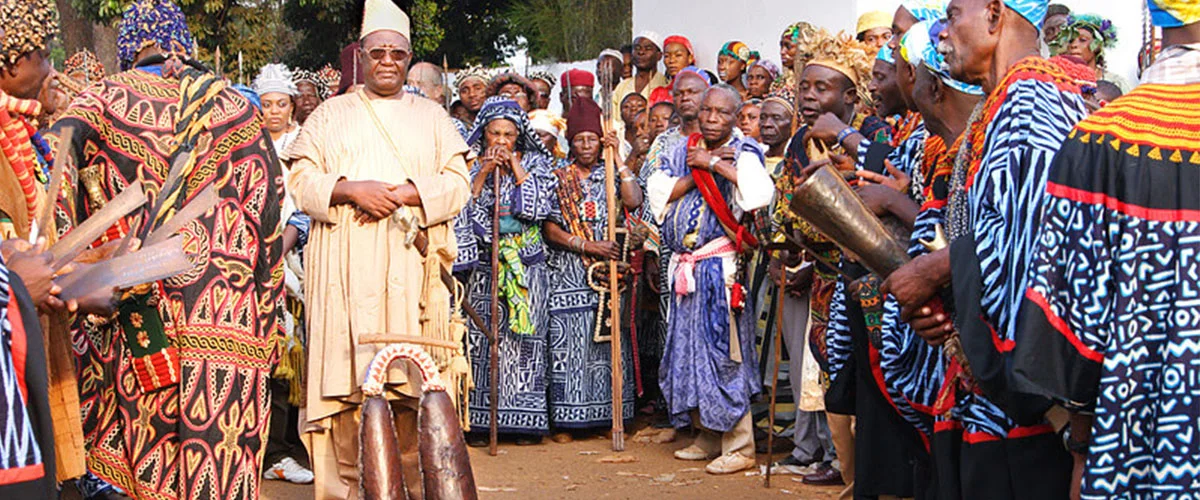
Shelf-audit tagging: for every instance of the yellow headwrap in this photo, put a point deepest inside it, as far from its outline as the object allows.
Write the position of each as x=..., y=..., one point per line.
x=872, y=20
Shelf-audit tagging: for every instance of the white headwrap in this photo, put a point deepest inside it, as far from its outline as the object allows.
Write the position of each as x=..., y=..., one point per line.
x=654, y=38
x=275, y=78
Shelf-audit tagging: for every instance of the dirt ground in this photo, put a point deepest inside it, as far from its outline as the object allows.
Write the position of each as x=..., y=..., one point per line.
x=576, y=470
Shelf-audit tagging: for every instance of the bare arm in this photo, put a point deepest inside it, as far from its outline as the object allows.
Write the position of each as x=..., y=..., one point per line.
x=631, y=193
x=682, y=186
x=557, y=236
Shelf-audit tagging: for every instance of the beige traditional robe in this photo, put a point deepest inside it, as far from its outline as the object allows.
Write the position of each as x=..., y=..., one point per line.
x=364, y=279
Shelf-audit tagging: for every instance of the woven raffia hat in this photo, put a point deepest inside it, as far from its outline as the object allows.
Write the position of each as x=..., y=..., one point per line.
x=28, y=25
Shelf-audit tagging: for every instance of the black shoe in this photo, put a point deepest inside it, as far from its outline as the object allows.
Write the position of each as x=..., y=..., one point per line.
x=827, y=476
x=478, y=441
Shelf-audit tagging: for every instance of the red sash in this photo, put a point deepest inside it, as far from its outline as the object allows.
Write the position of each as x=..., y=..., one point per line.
x=743, y=239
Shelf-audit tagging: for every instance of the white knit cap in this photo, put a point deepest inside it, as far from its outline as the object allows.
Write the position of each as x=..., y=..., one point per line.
x=381, y=15
x=654, y=38
x=613, y=53
x=275, y=78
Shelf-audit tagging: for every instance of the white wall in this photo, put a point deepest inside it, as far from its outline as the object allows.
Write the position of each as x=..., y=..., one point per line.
x=758, y=23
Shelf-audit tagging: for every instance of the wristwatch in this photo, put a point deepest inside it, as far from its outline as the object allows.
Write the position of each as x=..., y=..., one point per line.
x=712, y=163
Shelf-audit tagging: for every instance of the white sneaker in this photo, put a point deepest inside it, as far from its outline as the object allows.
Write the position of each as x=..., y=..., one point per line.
x=728, y=464
x=289, y=470
x=693, y=452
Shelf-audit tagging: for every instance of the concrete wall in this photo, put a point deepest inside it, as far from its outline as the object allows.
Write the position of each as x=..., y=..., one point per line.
x=758, y=23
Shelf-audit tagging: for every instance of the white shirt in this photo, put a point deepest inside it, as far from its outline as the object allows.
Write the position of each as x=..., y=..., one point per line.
x=753, y=189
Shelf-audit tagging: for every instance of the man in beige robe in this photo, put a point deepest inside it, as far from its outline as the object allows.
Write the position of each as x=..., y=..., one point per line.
x=373, y=168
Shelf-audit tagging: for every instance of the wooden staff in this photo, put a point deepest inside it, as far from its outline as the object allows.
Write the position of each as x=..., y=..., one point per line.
x=446, y=93
x=614, y=293
x=494, y=341
x=779, y=296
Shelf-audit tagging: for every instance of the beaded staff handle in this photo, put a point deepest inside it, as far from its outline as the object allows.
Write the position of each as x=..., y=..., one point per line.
x=601, y=287
x=377, y=371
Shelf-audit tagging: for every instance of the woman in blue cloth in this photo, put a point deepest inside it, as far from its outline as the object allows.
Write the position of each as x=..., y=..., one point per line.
x=508, y=146
x=581, y=367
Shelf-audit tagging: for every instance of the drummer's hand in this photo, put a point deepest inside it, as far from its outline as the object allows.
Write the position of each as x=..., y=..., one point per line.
x=826, y=128
x=877, y=198
x=102, y=252
x=843, y=163
x=915, y=283
x=13, y=245
x=933, y=326
x=895, y=179
x=32, y=265
x=101, y=302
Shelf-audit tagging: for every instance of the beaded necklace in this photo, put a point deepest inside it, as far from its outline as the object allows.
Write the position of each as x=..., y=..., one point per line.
x=923, y=177
x=958, y=220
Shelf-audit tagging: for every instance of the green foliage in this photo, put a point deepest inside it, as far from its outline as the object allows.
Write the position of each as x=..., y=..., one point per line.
x=427, y=32
x=571, y=30
x=323, y=28
x=311, y=33
x=101, y=11
x=249, y=27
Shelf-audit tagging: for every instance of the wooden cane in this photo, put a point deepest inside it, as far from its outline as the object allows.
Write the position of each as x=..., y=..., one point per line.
x=614, y=300
x=614, y=293
x=779, y=297
x=494, y=342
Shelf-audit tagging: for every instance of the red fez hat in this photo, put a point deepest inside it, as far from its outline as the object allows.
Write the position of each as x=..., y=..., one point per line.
x=584, y=116
x=577, y=78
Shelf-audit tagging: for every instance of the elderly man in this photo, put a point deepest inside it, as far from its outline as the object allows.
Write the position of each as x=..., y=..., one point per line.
x=1108, y=317
x=997, y=192
x=810, y=438
x=699, y=195
x=428, y=78
x=577, y=84
x=311, y=90
x=382, y=173
x=193, y=367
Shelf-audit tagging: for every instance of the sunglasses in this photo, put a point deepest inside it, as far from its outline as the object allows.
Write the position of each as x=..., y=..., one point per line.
x=380, y=53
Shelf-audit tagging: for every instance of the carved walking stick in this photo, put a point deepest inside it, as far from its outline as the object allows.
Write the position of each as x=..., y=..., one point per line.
x=494, y=341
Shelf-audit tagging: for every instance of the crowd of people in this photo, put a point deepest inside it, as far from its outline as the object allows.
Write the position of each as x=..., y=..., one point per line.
x=1034, y=340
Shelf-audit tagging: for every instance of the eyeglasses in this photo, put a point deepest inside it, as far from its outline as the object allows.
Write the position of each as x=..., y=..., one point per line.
x=379, y=53
x=513, y=96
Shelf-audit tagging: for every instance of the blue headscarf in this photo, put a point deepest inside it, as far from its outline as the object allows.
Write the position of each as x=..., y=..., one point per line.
x=925, y=10
x=153, y=22
x=1032, y=10
x=695, y=71
x=1173, y=13
x=249, y=94
x=886, y=55
x=497, y=107
x=917, y=46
